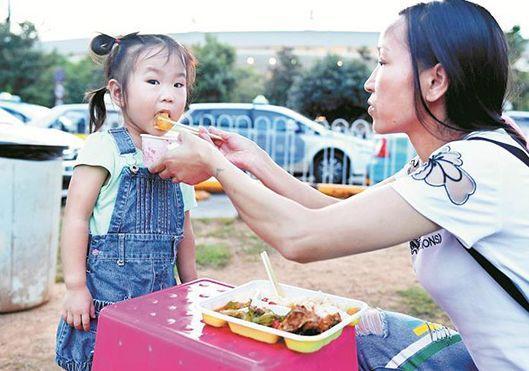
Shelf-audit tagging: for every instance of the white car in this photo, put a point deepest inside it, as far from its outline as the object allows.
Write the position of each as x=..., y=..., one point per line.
x=74, y=119
x=13, y=130
x=298, y=144
x=24, y=111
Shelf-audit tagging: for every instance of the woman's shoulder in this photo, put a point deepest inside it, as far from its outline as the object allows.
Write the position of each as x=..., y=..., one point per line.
x=480, y=146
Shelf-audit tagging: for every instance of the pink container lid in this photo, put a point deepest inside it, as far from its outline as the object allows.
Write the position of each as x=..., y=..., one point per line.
x=163, y=331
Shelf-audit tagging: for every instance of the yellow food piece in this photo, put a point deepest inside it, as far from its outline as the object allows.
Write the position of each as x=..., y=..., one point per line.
x=352, y=311
x=162, y=122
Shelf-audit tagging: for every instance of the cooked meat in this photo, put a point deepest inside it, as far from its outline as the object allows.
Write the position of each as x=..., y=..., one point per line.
x=297, y=317
x=320, y=325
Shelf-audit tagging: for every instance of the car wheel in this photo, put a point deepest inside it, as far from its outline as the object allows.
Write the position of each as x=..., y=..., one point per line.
x=331, y=166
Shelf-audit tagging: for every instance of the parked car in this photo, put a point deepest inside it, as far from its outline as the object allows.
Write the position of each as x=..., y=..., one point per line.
x=392, y=153
x=24, y=111
x=298, y=144
x=12, y=128
x=522, y=119
x=74, y=119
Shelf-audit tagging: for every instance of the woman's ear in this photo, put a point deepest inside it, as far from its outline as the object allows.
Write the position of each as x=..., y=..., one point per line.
x=115, y=92
x=434, y=83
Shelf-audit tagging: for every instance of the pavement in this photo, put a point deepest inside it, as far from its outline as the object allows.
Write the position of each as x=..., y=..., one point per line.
x=216, y=206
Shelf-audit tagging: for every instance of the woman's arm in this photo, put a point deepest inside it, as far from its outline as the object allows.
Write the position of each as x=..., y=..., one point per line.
x=369, y=221
x=82, y=194
x=187, y=270
x=248, y=156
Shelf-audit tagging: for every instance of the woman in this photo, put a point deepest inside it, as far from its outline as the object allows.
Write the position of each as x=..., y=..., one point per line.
x=441, y=79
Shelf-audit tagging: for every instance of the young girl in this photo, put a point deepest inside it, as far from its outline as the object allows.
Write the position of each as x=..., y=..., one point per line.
x=124, y=228
x=441, y=79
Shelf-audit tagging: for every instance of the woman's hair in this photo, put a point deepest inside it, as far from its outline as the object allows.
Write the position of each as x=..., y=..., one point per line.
x=470, y=45
x=119, y=56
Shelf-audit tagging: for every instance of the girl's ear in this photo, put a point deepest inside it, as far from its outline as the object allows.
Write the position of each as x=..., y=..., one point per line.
x=434, y=83
x=115, y=92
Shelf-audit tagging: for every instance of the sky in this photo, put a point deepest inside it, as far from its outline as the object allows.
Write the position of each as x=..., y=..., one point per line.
x=71, y=19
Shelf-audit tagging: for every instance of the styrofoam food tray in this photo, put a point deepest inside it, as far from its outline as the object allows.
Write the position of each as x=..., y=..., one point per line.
x=300, y=343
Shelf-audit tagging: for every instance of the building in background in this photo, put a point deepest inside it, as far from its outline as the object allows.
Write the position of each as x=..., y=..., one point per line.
x=258, y=48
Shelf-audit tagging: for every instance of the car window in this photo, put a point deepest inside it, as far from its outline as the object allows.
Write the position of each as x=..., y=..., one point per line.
x=18, y=115
x=269, y=120
x=7, y=118
x=72, y=121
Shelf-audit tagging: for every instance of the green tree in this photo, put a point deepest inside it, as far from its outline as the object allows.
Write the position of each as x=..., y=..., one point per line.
x=332, y=88
x=216, y=71
x=283, y=74
x=519, y=84
x=80, y=77
x=26, y=70
x=366, y=55
x=250, y=83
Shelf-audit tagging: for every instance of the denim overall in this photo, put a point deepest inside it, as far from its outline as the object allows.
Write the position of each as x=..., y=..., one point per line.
x=135, y=257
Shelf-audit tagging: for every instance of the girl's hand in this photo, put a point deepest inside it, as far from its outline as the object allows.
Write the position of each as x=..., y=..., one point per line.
x=240, y=151
x=190, y=162
x=78, y=308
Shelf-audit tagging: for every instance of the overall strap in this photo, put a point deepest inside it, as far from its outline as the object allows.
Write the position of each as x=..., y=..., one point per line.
x=501, y=278
x=123, y=140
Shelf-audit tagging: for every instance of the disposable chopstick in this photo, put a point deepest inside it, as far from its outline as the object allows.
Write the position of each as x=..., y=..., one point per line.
x=186, y=127
x=271, y=276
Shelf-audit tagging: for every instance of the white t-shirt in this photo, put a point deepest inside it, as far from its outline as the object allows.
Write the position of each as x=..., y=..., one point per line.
x=478, y=193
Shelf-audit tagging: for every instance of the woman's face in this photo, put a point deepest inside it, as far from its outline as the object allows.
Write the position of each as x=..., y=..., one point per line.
x=391, y=104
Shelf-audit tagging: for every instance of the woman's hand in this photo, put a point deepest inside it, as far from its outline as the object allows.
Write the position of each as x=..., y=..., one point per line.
x=240, y=151
x=190, y=162
x=78, y=308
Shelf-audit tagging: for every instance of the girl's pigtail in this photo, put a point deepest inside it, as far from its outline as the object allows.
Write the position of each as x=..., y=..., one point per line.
x=96, y=108
x=101, y=46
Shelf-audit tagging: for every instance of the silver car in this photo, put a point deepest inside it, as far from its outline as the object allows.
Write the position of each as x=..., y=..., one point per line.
x=301, y=146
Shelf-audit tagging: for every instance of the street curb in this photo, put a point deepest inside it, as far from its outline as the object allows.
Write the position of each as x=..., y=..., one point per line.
x=334, y=190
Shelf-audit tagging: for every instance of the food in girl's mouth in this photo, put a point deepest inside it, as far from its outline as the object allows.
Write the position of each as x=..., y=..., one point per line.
x=163, y=122
x=304, y=316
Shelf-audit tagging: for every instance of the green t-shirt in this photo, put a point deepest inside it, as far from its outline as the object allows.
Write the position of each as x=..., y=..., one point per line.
x=100, y=149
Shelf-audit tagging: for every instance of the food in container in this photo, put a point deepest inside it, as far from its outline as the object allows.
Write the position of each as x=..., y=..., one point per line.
x=306, y=319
